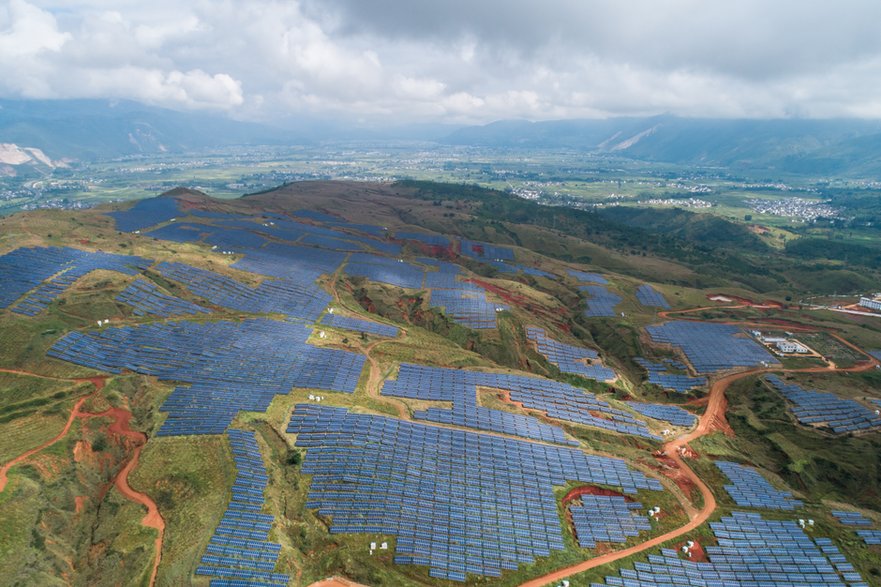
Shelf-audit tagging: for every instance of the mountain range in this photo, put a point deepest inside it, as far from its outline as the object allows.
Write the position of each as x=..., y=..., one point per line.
x=97, y=129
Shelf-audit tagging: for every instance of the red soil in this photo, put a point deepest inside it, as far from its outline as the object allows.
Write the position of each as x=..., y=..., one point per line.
x=698, y=555
x=591, y=490
x=119, y=428
x=336, y=582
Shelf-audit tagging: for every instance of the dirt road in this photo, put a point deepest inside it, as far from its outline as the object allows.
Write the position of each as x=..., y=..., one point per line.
x=709, y=422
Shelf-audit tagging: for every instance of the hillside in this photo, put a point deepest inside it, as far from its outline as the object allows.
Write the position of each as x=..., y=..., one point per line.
x=418, y=384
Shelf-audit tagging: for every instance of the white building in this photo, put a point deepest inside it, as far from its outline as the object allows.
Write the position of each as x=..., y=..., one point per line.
x=872, y=304
x=790, y=346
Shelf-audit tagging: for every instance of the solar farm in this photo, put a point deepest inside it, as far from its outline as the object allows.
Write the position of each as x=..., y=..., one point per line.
x=666, y=413
x=711, y=347
x=569, y=358
x=558, y=400
x=650, y=297
x=752, y=551
x=459, y=502
x=297, y=352
x=240, y=549
x=587, y=277
x=749, y=488
x=600, y=301
x=660, y=374
x=826, y=410
x=607, y=518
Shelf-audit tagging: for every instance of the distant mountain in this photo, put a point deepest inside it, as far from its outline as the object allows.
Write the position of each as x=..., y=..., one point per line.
x=803, y=147
x=93, y=129
x=88, y=129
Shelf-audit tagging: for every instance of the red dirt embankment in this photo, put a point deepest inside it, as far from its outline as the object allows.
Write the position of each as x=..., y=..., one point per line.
x=577, y=492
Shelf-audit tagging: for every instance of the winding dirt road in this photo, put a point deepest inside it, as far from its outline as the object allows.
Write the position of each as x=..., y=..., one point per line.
x=120, y=427
x=709, y=422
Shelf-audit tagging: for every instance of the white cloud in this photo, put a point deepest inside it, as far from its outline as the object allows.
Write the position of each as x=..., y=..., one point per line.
x=453, y=60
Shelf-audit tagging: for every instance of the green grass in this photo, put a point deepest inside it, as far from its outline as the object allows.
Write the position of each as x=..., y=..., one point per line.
x=190, y=480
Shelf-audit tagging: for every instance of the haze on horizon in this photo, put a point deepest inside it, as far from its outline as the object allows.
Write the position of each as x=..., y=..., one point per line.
x=450, y=62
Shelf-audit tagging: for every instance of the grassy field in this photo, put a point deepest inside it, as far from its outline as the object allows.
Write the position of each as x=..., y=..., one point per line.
x=190, y=480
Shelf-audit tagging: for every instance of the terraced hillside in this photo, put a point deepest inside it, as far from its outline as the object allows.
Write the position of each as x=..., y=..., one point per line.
x=374, y=382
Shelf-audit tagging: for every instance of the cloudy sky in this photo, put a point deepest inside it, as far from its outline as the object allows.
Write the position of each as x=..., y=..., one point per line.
x=452, y=60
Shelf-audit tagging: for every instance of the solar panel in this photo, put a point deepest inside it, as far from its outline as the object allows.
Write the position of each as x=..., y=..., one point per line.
x=558, y=400
x=516, y=268
x=666, y=413
x=569, y=358
x=460, y=502
x=146, y=213
x=751, y=552
x=359, y=325
x=711, y=346
x=660, y=374
x=600, y=301
x=51, y=270
x=148, y=299
x=826, y=410
x=750, y=489
x=481, y=250
x=650, y=297
x=585, y=277
x=240, y=548
x=606, y=518
x=851, y=518
x=224, y=366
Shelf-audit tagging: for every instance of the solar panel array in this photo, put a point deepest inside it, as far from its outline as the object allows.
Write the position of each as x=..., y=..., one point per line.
x=559, y=400
x=870, y=537
x=851, y=518
x=24, y=269
x=240, y=548
x=433, y=240
x=752, y=552
x=666, y=413
x=606, y=518
x=460, y=387
x=659, y=374
x=710, y=346
x=459, y=502
x=228, y=366
x=303, y=264
x=147, y=298
x=839, y=562
x=481, y=250
x=359, y=325
x=816, y=408
x=750, y=489
x=468, y=306
x=650, y=297
x=385, y=270
x=600, y=301
x=517, y=268
x=289, y=296
x=569, y=358
x=586, y=277
x=146, y=213
x=178, y=232
x=330, y=242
